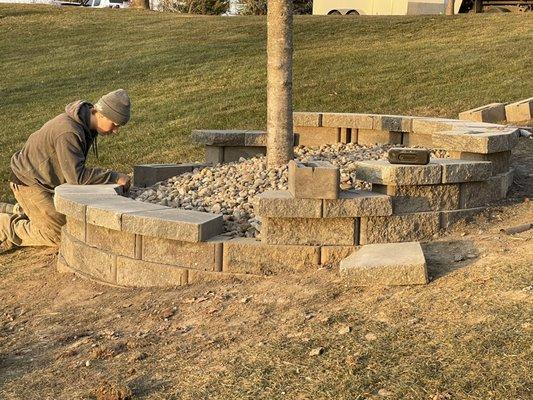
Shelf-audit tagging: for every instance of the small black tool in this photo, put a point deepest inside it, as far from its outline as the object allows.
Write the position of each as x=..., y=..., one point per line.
x=398, y=155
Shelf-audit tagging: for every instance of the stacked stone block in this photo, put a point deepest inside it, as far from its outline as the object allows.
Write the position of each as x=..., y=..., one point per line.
x=149, y=174
x=521, y=111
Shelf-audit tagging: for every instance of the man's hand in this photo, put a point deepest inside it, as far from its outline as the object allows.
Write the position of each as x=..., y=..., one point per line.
x=124, y=181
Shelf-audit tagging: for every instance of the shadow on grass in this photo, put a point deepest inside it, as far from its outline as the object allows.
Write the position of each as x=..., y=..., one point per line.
x=445, y=257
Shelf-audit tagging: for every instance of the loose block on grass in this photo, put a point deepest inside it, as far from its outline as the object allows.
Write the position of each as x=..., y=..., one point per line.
x=283, y=204
x=384, y=173
x=331, y=256
x=149, y=174
x=110, y=240
x=455, y=171
x=307, y=119
x=357, y=203
x=314, y=180
x=248, y=256
x=316, y=136
x=501, y=161
x=412, y=199
x=399, y=228
x=203, y=256
x=486, y=142
x=138, y=273
x=184, y=225
x=494, y=112
x=347, y=120
x=370, y=137
x=309, y=231
x=394, y=123
x=521, y=111
x=386, y=264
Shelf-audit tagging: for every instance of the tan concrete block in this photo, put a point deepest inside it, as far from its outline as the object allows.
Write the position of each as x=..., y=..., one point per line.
x=384, y=173
x=386, y=264
x=255, y=138
x=199, y=277
x=75, y=205
x=412, y=199
x=138, y=273
x=280, y=203
x=370, y=137
x=110, y=240
x=184, y=225
x=108, y=214
x=494, y=112
x=357, y=203
x=234, y=153
x=425, y=125
x=486, y=142
x=454, y=171
x=395, y=123
x=214, y=155
x=62, y=266
x=89, y=261
x=314, y=180
x=346, y=135
x=331, y=256
x=451, y=217
x=203, y=255
x=76, y=229
x=412, y=139
x=307, y=119
x=248, y=256
x=94, y=190
x=399, y=228
x=521, y=111
x=477, y=194
x=501, y=162
x=348, y=120
x=309, y=231
x=316, y=136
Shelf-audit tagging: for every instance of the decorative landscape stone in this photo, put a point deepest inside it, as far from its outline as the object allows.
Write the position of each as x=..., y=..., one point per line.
x=342, y=120
x=369, y=137
x=331, y=256
x=395, y=123
x=494, y=112
x=316, y=136
x=384, y=173
x=451, y=217
x=386, y=264
x=454, y=171
x=501, y=161
x=282, y=203
x=521, y=111
x=307, y=119
x=399, y=228
x=357, y=203
x=314, y=180
x=413, y=199
x=485, y=142
x=110, y=240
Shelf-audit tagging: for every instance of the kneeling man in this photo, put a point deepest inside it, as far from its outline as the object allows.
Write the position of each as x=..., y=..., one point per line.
x=54, y=155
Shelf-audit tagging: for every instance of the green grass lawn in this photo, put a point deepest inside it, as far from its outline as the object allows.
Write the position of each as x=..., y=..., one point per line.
x=209, y=72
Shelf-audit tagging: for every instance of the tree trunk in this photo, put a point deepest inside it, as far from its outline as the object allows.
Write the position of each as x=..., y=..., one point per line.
x=450, y=7
x=280, y=136
x=141, y=4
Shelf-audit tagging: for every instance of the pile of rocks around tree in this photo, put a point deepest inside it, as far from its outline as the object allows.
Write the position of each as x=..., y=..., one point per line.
x=230, y=189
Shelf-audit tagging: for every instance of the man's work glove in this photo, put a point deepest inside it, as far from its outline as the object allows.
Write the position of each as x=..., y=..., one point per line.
x=124, y=181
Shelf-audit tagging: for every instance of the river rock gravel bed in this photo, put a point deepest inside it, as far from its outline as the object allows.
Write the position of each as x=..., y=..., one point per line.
x=230, y=189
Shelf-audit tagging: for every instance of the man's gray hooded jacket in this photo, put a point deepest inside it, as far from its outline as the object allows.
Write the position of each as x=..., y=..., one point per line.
x=57, y=153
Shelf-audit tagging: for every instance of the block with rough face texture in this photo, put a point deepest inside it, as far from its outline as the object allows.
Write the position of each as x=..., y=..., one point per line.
x=412, y=139
x=425, y=125
x=316, y=136
x=204, y=255
x=234, y=153
x=412, y=199
x=76, y=229
x=199, y=277
x=357, y=203
x=314, y=180
x=138, y=273
x=307, y=119
x=184, y=225
x=309, y=231
x=108, y=214
x=348, y=120
x=455, y=171
x=451, y=217
x=331, y=256
x=149, y=174
x=477, y=194
x=110, y=240
x=494, y=112
x=492, y=141
x=501, y=162
x=248, y=256
x=399, y=228
x=521, y=111
x=395, y=123
x=386, y=264
x=255, y=138
x=384, y=173
x=219, y=137
x=281, y=203
x=370, y=137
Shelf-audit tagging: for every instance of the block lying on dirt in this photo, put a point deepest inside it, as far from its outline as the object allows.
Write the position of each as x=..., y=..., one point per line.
x=314, y=180
x=282, y=203
x=307, y=119
x=138, y=273
x=455, y=171
x=347, y=120
x=357, y=203
x=412, y=199
x=492, y=141
x=494, y=112
x=521, y=111
x=149, y=174
x=386, y=264
x=331, y=256
x=399, y=228
x=309, y=231
x=384, y=173
x=249, y=256
x=370, y=137
x=184, y=225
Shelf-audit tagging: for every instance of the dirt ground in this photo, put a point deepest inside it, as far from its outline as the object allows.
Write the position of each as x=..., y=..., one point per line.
x=466, y=335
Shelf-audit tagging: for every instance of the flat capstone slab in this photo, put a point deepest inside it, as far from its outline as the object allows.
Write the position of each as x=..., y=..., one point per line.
x=386, y=265
x=385, y=173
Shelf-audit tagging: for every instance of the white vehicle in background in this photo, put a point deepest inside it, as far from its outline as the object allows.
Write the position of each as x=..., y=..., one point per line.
x=105, y=3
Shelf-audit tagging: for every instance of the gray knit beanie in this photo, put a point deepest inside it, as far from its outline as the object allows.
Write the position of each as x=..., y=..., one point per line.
x=115, y=106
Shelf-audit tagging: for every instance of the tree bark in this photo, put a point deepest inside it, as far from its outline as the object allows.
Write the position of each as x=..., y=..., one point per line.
x=280, y=136
x=142, y=4
x=450, y=7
